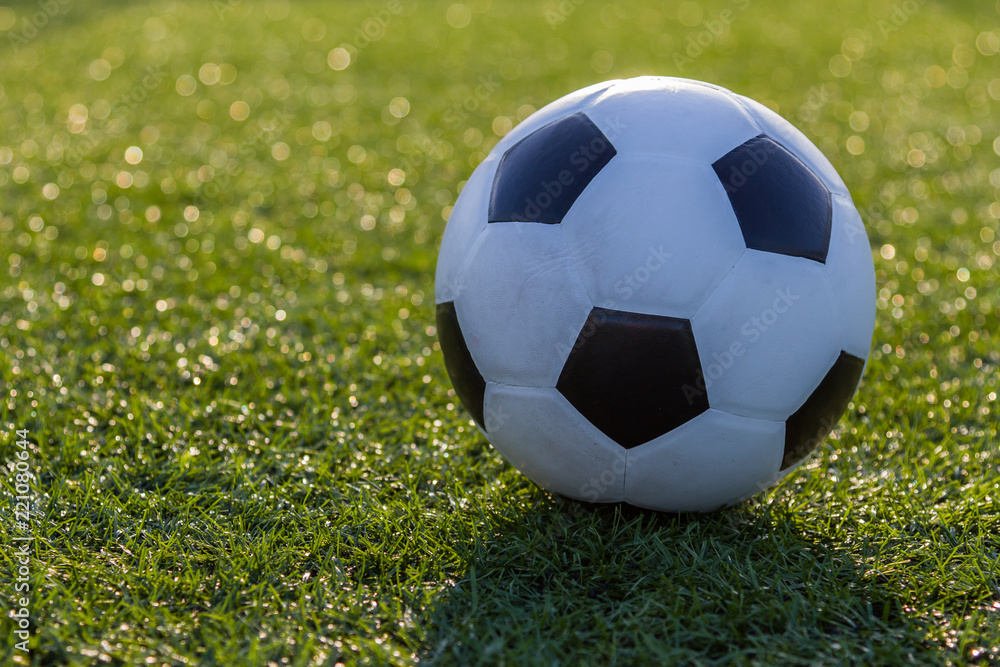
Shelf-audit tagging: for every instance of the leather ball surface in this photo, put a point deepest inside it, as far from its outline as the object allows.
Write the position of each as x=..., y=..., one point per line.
x=655, y=291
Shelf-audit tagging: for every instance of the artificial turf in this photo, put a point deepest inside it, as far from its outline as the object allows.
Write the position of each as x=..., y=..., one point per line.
x=220, y=221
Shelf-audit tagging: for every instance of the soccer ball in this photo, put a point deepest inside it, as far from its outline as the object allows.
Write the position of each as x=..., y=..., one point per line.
x=655, y=291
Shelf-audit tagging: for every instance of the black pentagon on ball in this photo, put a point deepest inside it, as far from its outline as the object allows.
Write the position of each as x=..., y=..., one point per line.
x=781, y=205
x=540, y=177
x=465, y=376
x=630, y=375
x=812, y=422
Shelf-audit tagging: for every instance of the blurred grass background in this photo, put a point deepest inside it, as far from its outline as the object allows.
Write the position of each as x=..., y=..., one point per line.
x=219, y=224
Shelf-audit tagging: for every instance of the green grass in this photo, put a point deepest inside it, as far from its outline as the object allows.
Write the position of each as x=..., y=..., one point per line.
x=246, y=449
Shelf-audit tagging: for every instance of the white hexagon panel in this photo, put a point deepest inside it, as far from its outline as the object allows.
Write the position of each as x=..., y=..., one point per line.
x=522, y=304
x=766, y=336
x=653, y=234
x=711, y=461
x=540, y=433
